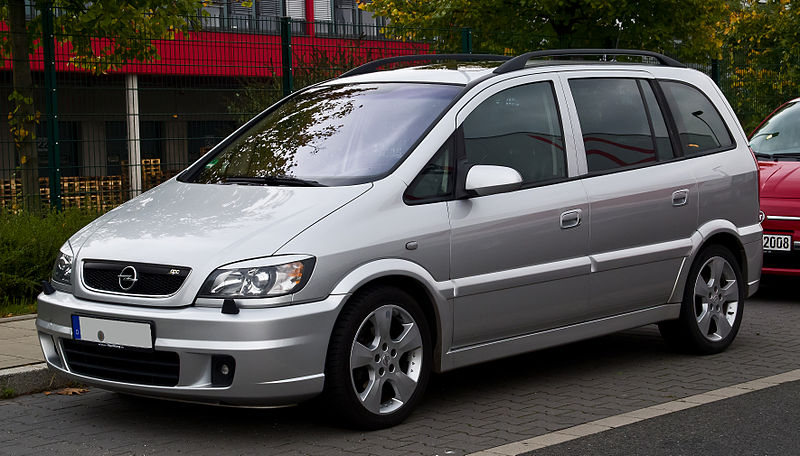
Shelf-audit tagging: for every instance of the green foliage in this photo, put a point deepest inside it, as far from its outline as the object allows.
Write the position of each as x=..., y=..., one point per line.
x=128, y=28
x=515, y=26
x=12, y=307
x=29, y=245
x=18, y=121
x=7, y=393
x=762, y=51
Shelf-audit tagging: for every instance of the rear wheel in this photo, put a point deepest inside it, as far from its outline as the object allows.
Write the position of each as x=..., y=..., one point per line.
x=379, y=359
x=712, y=307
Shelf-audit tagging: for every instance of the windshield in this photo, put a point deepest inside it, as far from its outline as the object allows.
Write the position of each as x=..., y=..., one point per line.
x=780, y=135
x=331, y=135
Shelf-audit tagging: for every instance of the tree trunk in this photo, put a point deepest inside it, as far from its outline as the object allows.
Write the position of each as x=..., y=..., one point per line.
x=25, y=112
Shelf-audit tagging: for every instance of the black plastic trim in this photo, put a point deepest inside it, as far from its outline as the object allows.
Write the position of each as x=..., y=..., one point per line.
x=519, y=62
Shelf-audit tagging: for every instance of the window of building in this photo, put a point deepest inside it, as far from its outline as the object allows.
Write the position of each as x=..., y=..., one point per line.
x=69, y=142
x=151, y=143
x=518, y=128
x=700, y=127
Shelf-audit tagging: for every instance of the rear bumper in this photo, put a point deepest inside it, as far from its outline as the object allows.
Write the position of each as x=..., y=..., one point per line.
x=754, y=263
x=279, y=352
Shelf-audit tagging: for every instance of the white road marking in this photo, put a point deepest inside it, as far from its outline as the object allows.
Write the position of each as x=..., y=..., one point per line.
x=624, y=419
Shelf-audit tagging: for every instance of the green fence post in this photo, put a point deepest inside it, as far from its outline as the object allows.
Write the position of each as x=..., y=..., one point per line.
x=286, y=55
x=466, y=40
x=715, y=71
x=51, y=104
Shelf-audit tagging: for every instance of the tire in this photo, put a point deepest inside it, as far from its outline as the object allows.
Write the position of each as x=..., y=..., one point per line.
x=712, y=307
x=379, y=359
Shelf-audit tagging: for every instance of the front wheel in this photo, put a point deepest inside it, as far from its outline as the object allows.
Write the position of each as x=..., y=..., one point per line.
x=379, y=359
x=713, y=303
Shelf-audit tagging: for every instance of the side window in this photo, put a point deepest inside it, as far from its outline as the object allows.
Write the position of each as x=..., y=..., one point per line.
x=518, y=128
x=663, y=143
x=614, y=122
x=700, y=127
x=436, y=179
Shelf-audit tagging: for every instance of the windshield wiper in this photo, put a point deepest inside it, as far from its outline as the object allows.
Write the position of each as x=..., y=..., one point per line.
x=763, y=155
x=273, y=181
x=782, y=155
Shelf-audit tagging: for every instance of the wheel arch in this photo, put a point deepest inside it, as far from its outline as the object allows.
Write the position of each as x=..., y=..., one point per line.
x=433, y=297
x=716, y=232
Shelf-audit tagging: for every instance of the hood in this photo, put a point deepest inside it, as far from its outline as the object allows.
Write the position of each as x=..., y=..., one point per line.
x=779, y=179
x=204, y=226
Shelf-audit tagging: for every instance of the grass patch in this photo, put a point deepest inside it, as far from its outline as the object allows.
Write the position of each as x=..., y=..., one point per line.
x=14, y=307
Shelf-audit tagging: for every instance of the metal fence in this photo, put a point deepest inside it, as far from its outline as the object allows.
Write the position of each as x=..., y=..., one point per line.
x=124, y=132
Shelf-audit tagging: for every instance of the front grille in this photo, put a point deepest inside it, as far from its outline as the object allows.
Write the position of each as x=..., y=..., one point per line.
x=133, y=278
x=129, y=365
x=782, y=260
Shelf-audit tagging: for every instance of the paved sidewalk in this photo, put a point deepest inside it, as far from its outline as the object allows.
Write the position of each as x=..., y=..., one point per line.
x=22, y=366
x=19, y=344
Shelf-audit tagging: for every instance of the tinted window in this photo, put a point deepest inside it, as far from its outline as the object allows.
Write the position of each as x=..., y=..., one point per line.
x=663, y=144
x=343, y=134
x=780, y=134
x=700, y=127
x=616, y=131
x=518, y=128
x=436, y=179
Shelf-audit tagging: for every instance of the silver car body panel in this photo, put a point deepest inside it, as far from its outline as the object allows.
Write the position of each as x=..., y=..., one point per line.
x=501, y=275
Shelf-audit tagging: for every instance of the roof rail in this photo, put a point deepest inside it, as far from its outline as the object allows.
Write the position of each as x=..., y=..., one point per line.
x=519, y=62
x=374, y=65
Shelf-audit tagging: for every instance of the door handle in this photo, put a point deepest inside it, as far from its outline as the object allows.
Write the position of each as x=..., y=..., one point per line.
x=570, y=219
x=680, y=197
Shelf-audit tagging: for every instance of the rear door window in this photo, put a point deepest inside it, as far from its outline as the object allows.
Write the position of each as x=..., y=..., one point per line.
x=617, y=132
x=700, y=127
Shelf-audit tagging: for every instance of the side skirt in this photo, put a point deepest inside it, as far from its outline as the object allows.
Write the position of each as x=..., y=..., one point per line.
x=474, y=354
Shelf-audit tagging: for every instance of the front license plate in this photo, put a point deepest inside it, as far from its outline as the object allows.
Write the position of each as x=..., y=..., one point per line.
x=112, y=332
x=781, y=242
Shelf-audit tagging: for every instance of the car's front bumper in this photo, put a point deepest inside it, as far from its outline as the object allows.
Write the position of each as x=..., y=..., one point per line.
x=279, y=352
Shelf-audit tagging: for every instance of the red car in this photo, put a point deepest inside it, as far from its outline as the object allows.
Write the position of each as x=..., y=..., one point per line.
x=776, y=144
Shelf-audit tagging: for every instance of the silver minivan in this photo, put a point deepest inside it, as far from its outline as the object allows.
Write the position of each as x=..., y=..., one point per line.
x=375, y=228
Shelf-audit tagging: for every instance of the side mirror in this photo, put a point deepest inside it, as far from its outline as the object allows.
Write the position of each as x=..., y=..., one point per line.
x=490, y=179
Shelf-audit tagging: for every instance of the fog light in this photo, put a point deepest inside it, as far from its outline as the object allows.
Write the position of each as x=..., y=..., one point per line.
x=222, y=369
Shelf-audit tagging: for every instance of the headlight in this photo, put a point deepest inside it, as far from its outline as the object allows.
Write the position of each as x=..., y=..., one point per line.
x=62, y=270
x=248, y=280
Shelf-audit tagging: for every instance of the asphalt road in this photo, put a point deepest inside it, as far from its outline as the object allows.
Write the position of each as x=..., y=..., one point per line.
x=475, y=408
x=764, y=422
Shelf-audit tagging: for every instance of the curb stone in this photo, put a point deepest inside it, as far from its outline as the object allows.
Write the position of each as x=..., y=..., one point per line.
x=16, y=381
x=18, y=318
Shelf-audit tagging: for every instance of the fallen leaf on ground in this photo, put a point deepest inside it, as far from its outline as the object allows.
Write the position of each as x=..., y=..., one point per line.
x=68, y=391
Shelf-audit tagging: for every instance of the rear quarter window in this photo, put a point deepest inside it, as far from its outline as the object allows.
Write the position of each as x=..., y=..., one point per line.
x=699, y=124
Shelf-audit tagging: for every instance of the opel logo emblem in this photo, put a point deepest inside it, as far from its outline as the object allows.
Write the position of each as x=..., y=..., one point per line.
x=127, y=278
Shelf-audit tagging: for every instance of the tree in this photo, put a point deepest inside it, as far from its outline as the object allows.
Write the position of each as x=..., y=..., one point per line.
x=101, y=35
x=515, y=26
x=762, y=48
